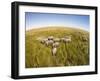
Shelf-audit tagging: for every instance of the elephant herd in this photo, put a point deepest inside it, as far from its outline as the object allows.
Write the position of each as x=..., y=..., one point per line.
x=54, y=42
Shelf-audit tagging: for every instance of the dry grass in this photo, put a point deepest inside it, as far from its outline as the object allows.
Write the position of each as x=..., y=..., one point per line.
x=74, y=53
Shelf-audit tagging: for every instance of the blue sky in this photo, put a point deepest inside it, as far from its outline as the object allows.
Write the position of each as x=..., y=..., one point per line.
x=36, y=20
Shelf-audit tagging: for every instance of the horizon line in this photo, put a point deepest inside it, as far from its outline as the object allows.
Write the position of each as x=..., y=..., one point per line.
x=29, y=28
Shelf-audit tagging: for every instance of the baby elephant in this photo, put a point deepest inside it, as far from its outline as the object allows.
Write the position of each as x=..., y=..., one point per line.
x=54, y=48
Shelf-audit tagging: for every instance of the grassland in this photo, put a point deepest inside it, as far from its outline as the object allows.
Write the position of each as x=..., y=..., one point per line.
x=75, y=53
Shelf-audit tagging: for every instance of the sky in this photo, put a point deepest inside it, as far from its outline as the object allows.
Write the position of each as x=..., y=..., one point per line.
x=38, y=20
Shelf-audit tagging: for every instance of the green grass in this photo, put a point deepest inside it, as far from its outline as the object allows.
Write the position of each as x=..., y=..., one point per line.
x=74, y=53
